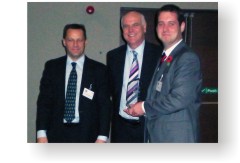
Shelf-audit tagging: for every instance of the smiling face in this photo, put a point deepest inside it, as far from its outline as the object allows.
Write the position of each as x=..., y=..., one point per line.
x=134, y=29
x=74, y=43
x=168, y=29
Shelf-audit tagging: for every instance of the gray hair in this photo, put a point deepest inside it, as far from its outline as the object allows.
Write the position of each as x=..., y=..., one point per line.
x=143, y=20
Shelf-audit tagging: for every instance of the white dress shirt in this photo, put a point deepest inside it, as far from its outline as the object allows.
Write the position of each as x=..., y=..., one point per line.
x=127, y=68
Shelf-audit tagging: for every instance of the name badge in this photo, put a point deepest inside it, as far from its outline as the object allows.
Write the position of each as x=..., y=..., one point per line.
x=159, y=86
x=88, y=93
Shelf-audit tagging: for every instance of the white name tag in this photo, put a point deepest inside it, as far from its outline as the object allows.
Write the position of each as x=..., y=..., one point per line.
x=88, y=93
x=159, y=86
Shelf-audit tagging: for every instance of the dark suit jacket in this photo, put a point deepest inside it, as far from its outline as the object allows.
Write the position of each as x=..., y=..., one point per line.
x=116, y=62
x=172, y=113
x=94, y=114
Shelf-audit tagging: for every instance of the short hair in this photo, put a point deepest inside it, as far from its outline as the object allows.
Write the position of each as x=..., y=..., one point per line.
x=172, y=8
x=74, y=26
x=143, y=20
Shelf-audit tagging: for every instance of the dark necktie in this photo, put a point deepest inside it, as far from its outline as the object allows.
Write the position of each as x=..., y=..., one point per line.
x=133, y=82
x=163, y=57
x=69, y=113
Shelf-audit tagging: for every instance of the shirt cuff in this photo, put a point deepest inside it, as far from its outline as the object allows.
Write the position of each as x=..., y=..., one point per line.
x=103, y=138
x=41, y=133
x=143, y=109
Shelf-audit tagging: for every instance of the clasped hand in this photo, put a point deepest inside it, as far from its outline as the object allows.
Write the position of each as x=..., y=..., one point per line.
x=135, y=110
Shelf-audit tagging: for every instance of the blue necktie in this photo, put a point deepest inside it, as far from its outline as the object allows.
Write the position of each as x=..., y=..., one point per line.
x=69, y=113
x=133, y=82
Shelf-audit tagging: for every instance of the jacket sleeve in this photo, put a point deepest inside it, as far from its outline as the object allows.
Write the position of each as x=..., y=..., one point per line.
x=104, y=103
x=45, y=99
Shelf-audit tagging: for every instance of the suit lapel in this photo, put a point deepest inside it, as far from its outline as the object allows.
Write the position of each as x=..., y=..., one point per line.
x=146, y=62
x=60, y=70
x=87, y=80
x=148, y=66
x=60, y=79
x=84, y=74
x=178, y=48
x=119, y=69
x=164, y=67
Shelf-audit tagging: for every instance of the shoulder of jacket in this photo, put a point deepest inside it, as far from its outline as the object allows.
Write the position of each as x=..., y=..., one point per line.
x=117, y=50
x=95, y=63
x=56, y=60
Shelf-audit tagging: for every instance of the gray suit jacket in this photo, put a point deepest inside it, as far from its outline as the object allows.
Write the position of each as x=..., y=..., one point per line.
x=172, y=113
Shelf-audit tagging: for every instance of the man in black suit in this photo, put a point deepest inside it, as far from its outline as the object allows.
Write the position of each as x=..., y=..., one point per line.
x=125, y=128
x=89, y=98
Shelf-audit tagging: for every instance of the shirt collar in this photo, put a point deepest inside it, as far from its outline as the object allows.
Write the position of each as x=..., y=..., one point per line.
x=139, y=49
x=79, y=61
x=169, y=50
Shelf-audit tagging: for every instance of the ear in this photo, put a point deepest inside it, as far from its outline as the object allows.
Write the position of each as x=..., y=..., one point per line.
x=63, y=42
x=182, y=27
x=145, y=27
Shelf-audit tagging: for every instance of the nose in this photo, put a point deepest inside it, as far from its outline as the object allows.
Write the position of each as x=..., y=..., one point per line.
x=130, y=28
x=165, y=28
x=75, y=43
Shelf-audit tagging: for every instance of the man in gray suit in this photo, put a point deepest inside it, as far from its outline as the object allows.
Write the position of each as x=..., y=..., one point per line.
x=173, y=100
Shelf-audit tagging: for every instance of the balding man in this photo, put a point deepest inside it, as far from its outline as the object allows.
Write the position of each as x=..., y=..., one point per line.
x=131, y=67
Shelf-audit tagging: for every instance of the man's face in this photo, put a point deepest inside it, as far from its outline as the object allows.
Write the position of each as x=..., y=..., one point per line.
x=168, y=29
x=133, y=29
x=74, y=43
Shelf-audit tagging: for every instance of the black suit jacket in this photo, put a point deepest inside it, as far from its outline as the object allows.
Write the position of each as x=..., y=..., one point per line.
x=115, y=64
x=94, y=114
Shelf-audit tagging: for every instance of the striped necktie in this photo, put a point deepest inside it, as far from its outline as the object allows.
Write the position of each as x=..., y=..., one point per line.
x=69, y=113
x=133, y=82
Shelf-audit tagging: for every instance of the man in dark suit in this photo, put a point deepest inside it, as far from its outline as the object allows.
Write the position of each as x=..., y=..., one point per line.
x=173, y=99
x=74, y=100
x=125, y=128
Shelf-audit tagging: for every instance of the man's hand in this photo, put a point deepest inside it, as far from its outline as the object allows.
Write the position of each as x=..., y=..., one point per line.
x=42, y=140
x=100, y=141
x=135, y=110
